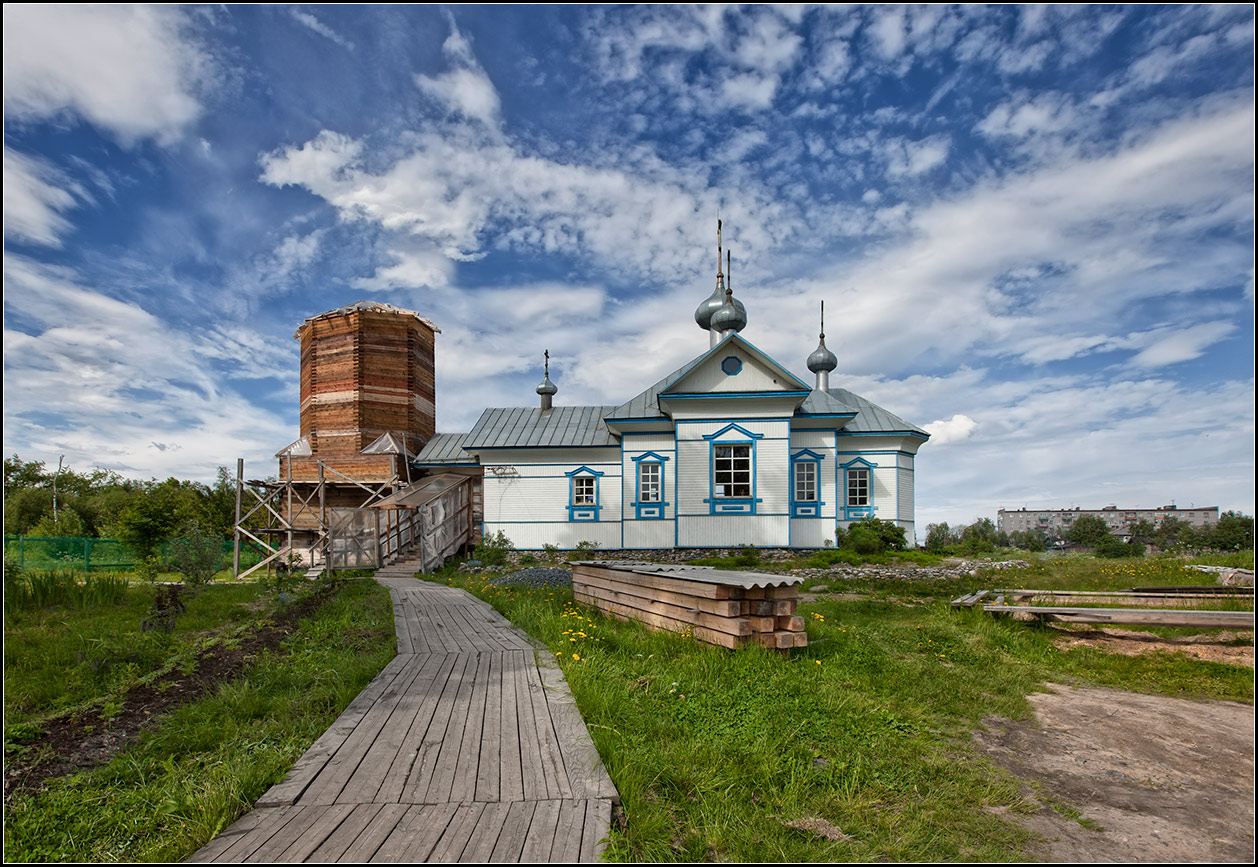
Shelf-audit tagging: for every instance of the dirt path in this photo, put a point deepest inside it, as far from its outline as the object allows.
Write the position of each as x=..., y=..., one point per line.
x=1165, y=779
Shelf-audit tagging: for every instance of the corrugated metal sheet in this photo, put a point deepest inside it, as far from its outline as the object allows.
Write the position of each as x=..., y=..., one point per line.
x=445, y=448
x=531, y=427
x=646, y=404
x=704, y=574
x=871, y=418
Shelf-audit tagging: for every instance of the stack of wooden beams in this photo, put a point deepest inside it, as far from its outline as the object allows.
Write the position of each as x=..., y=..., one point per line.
x=715, y=606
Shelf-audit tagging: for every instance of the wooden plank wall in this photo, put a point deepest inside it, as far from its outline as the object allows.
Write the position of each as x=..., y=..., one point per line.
x=364, y=374
x=723, y=614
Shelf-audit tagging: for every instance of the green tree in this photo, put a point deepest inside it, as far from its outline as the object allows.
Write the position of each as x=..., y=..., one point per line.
x=1088, y=530
x=196, y=553
x=1234, y=532
x=939, y=537
x=1170, y=534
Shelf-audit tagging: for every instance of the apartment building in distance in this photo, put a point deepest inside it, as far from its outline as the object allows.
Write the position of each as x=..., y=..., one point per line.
x=1055, y=522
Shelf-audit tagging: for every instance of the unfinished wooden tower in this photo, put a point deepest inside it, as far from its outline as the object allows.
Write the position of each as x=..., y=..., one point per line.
x=368, y=392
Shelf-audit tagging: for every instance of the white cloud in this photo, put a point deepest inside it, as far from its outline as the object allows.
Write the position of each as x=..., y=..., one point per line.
x=953, y=430
x=312, y=23
x=888, y=32
x=1184, y=344
x=914, y=158
x=465, y=89
x=36, y=193
x=102, y=381
x=128, y=69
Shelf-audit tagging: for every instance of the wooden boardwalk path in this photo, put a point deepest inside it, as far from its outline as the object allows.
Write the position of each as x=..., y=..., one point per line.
x=466, y=747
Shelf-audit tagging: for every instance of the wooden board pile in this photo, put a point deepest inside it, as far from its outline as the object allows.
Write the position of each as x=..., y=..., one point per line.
x=696, y=602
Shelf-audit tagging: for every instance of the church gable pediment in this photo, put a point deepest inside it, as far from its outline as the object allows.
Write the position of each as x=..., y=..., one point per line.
x=733, y=368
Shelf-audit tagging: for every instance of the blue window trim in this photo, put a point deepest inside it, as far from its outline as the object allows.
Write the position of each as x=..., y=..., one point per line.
x=649, y=511
x=806, y=508
x=726, y=360
x=734, y=435
x=855, y=513
x=583, y=513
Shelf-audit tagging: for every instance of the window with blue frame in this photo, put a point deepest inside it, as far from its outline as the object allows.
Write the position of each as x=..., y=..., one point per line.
x=733, y=471
x=805, y=484
x=858, y=482
x=650, y=500
x=583, y=494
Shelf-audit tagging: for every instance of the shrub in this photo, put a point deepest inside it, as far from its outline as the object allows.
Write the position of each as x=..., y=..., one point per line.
x=494, y=550
x=196, y=554
x=550, y=553
x=747, y=555
x=583, y=551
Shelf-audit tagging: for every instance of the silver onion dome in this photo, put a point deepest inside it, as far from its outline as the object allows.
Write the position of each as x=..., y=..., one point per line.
x=822, y=358
x=731, y=316
x=711, y=304
x=547, y=387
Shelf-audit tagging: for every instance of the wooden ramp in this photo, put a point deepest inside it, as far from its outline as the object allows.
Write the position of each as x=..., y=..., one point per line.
x=466, y=747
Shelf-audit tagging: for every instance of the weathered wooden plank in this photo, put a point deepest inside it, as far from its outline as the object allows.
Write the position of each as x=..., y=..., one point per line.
x=480, y=847
x=1161, y=617
x=598, y=823
x=447, y=767
x=567, y=846
x=340, y=767
x=424, y=769
x=384, y=752
x=532, y=768
x=271, y=822
x=584, y=768
x=557, y=782
x=514, y=829
x=541, y=834
x=395, y=777
x=306, y=768
x=334, y=846
x=466, y=771
x=242, y=826
x=489, y=766
x=658, y=621
x=676, y=585
x=416, y=834
x=722, y=607
x=301, y=822
x=457, y=834
x=728, y=625
x=376, y=832
x=327, y=823
x=510, y=770
x=790, y=623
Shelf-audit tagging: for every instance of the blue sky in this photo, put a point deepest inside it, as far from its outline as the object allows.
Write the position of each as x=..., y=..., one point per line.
x=1033, y=227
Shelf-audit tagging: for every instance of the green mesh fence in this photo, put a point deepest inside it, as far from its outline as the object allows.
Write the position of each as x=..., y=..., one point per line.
x=37, y=552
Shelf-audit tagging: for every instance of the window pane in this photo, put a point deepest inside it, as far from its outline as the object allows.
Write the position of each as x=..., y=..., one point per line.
x=858, y=487
x=806, y=481
x=649, y=483
x=583, y=491
x=731, y=471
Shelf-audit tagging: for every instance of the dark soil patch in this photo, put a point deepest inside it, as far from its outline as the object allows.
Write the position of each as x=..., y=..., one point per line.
x=77, y=742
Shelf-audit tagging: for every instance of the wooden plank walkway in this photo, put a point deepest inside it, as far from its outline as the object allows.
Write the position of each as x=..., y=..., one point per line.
x=466, y=747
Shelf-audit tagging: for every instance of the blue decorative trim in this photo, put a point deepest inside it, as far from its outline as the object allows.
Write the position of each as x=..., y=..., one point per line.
x=739, y=428
x=583, y=512
x=882, y=433
x=806, y=508
x=728, y=394
x=649, y=510
x=726, y=365
x=650, y=456
x=855, y=513
x=727, y=418
x=733, y=435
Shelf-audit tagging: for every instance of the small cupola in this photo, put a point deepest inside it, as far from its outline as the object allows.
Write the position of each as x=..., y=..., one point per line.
x=732, y=315
x=822, y=360
x=547, y=389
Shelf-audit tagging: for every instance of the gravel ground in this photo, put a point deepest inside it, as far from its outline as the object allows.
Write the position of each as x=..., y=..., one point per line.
x=536, y=576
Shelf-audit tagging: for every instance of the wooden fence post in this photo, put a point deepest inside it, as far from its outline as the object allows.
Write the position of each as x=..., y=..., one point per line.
x=240, y=472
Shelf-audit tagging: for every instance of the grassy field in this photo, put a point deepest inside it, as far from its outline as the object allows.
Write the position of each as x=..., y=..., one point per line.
x=718, y=754
x=202, y=765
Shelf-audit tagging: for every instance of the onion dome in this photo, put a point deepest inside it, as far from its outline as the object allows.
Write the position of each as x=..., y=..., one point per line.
x=711, y=304
x=822, y=358
x=732, y=316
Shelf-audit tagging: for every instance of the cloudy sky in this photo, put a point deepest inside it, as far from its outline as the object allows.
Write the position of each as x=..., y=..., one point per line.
x=1033, y=227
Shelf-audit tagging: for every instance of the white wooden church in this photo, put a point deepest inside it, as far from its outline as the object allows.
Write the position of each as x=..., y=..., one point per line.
x=729, y=449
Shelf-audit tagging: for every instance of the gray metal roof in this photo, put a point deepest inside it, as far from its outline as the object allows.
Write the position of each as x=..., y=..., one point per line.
x=871, y=418
x=705, y=574
x=531, y=427
x=824, y=403
x=646, y=404
x=445, y=448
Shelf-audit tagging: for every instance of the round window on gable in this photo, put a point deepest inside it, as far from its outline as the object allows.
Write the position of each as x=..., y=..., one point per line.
x=732, y=365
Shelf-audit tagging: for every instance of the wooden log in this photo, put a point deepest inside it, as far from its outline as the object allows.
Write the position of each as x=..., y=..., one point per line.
x=722, y=607
x=762, y=624
x=781, y=640
x=657, y=621
x=690, y=616
x=1151, y=616
x=791, y=623
x=686, y=586
x=755, y=593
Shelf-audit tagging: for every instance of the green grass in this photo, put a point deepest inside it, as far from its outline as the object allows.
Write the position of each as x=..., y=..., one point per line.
x=205, y=763
x=868, y=728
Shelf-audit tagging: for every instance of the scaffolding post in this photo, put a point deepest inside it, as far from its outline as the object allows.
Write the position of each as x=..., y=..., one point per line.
x=240, y=474
x=323, y=525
